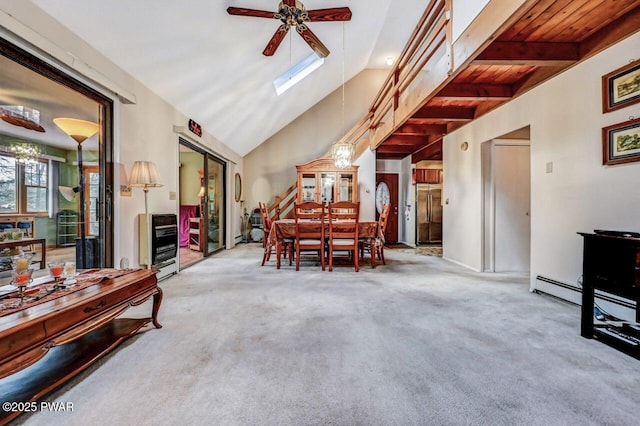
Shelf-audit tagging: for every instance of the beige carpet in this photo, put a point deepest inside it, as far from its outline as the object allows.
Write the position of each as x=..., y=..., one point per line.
x=420, y=341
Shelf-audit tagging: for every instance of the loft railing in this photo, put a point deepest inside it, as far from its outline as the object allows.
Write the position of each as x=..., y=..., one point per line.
x=423, y=65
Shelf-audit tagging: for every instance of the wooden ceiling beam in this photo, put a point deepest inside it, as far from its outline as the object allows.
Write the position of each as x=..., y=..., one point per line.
x=433, y=151
x=474, y=91
x=529, y=53
x=395, y=139
x=610, y=34
x=533, y=79
x=445, y=113
x=397, y=149
x=426, y=121
x=421, y=129
x=385, y=156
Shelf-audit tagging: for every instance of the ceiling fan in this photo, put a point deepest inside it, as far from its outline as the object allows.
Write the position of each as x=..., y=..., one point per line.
x=292, y=13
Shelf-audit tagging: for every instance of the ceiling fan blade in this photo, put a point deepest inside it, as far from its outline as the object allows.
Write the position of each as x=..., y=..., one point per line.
x=291, y=3
x=250, y=12
x=313, y=41
x=275, y=41
x=332, y=14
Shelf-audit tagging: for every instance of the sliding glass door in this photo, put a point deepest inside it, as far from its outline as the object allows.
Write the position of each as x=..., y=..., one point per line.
x=41, y=166
x=202, y=203
x=215, y=204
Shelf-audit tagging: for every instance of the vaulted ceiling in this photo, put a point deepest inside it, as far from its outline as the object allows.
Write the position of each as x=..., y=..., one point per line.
x=546, y=38
x=209, y=64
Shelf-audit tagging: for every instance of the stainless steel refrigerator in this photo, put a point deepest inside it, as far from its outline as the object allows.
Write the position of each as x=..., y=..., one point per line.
x=429, y=213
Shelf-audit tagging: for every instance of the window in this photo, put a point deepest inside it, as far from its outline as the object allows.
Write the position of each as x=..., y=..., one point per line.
x=35, y=183
x=23, y=187
x=8, y=184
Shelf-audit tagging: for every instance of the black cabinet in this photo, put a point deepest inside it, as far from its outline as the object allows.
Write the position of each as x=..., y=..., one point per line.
x=611, y=264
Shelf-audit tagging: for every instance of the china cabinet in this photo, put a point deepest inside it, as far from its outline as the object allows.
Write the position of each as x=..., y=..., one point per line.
x=321, y=181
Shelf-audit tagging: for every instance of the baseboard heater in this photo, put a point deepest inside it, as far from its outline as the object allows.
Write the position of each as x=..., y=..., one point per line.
x=598, y=294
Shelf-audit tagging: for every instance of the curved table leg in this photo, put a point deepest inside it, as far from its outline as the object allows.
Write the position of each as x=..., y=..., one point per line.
x=157, y=300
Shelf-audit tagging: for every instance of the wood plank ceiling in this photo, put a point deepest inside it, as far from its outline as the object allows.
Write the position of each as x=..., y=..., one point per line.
x=550, y=37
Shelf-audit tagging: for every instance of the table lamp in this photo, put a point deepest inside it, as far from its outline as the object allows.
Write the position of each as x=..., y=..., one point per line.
x=144, y=175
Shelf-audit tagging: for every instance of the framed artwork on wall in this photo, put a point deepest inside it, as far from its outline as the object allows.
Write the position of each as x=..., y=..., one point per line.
x=621, y=88
x=621, y=142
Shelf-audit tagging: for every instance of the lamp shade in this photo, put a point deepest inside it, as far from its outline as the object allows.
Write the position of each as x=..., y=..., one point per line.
x=67, y=192
x=79, y=130
x=144, y=175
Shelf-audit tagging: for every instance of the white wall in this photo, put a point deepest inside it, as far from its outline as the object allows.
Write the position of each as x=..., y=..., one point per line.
x=270, y=168
x=142, y=131
x=565, y=115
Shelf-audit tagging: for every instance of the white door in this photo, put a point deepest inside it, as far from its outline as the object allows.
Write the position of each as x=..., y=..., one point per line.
x=512, y=202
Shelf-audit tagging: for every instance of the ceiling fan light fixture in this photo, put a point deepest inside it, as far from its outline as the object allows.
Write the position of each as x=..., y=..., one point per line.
x=297, y=73
x=292, y=13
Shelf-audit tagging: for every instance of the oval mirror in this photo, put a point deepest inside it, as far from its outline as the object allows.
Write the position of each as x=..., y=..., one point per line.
x=238, y=187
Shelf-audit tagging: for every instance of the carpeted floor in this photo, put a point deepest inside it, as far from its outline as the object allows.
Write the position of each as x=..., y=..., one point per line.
x=419, y=341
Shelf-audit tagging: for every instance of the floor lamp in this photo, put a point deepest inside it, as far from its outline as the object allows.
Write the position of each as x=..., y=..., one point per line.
x=79, y=130
x=145, y=175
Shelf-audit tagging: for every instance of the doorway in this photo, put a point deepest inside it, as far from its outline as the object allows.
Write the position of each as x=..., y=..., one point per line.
x=391, y=181
x=506, y=175
x=202, y=201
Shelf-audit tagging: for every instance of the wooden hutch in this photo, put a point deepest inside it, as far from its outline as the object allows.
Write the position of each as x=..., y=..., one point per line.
x=321, y=181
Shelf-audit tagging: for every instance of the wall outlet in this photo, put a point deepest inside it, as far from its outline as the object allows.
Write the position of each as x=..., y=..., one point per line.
x=172, y=195
x=549, y=167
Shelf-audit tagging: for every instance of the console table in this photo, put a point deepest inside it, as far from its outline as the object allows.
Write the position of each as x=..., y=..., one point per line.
x=44, y=345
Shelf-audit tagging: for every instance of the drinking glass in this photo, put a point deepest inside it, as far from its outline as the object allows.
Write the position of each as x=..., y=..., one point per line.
x=69, y=273
x=22, y=261
x=21, y=279
x=56, y=268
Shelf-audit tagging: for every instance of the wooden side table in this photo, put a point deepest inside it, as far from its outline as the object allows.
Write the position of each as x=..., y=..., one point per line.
x=196, y=234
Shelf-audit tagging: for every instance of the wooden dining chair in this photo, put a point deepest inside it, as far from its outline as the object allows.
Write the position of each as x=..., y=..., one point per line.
x=368, y=245
x=276, y=247
x=266, y=222
x=309, y=217
x=343, y=231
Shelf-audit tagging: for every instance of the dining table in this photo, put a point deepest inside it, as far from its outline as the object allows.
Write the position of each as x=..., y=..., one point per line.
x=285, y=229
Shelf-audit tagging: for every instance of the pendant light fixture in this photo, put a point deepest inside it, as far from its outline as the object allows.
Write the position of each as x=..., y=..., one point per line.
x=343, y=151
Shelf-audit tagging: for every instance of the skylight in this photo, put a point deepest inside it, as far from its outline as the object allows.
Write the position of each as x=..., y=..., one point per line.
x=296, y=73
